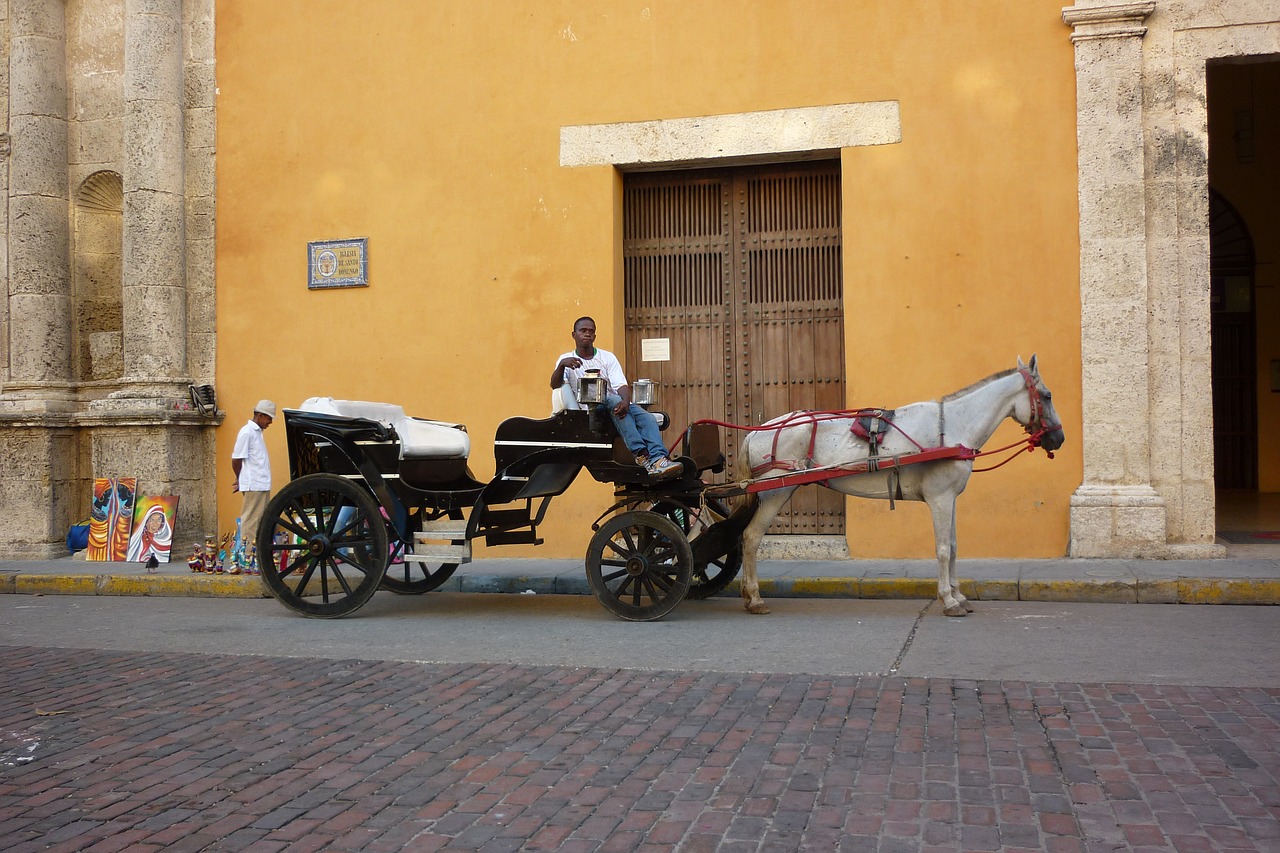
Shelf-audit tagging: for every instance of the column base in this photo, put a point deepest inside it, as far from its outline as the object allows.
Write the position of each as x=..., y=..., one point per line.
x=1118, y=522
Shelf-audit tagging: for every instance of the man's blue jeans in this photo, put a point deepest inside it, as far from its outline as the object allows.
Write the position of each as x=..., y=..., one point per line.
x=638, y=429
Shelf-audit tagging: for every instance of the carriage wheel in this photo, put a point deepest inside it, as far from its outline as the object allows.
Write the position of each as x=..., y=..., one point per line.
x=413, y=577
x=714, y=576
x=639, y=565
x=322, y=546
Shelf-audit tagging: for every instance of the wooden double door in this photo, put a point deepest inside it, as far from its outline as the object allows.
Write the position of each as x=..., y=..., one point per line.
x=739, y=272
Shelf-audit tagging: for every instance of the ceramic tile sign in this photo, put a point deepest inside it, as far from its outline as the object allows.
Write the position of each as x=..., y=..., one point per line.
x=111, y=518
x=338, y=263
x=152, y=528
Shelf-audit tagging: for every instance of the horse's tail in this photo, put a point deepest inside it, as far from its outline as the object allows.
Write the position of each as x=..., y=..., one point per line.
x=742, y=474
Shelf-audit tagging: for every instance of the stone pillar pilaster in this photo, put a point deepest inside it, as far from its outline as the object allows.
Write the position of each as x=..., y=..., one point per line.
x=153, y=274
x=38, y=231
x=1116, y=511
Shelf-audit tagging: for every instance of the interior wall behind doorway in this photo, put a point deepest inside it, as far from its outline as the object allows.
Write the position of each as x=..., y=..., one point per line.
x=1244, y=170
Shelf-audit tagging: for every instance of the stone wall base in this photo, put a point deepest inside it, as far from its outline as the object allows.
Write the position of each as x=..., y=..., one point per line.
x=804, y=548
x=51, y=460
x=1118, y=522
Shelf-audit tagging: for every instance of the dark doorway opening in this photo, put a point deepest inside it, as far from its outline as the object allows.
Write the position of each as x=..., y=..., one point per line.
x=1244, y=262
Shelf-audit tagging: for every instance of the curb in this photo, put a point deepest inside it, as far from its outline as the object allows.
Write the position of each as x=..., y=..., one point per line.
x=170, y=586
x=1097, y=591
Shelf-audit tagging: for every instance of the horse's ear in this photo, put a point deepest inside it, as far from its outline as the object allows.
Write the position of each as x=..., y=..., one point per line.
x=1022, y=366
x=1035, y=370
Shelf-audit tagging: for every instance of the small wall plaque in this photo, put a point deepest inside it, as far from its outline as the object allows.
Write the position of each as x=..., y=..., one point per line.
x=655, y=349
x=338, y=263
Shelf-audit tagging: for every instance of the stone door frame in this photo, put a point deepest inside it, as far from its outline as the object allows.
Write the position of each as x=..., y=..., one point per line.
x=1142, y=127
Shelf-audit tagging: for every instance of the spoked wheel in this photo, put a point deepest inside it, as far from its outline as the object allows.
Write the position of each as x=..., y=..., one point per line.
x=325, y=546
x=414, y=577
x=712, y=576
x=639, y=565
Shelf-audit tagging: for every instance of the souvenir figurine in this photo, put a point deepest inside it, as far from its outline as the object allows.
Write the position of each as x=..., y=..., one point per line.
x=197, y=559
x=210, y=555
x=237, y=552
x=221, y=566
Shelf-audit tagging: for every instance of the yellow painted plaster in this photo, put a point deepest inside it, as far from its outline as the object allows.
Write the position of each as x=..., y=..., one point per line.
x=431, y=128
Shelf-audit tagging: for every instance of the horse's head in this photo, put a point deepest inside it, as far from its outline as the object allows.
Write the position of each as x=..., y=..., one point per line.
x=1035, y=411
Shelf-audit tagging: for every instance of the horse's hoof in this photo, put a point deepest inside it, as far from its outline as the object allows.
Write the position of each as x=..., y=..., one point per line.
x=758, y=609
x=956, y=610
x=968, y=608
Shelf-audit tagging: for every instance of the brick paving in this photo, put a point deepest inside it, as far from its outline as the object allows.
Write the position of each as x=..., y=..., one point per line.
x=107, y=751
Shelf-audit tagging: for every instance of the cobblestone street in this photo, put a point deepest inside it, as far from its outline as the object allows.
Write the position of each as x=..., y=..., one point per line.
x=141, y=751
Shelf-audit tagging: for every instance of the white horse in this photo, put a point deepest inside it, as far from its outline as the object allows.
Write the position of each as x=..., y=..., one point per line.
x=802, y=441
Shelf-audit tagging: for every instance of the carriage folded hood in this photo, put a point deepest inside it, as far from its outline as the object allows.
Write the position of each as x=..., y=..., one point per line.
x=419, y=438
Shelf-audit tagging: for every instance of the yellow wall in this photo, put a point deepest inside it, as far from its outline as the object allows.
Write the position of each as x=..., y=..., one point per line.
x=432, y=128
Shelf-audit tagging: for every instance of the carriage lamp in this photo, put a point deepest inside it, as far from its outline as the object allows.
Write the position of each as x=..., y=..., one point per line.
x=592, y=388
x=644, y=392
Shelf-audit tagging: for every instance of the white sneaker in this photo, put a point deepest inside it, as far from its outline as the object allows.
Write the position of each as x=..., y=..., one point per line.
x=663, y=468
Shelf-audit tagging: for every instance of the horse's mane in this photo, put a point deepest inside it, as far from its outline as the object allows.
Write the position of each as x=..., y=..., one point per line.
x=992, y=378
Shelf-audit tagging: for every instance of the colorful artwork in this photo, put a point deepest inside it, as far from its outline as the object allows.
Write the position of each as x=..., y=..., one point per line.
x=152, y=528
x=111, y=518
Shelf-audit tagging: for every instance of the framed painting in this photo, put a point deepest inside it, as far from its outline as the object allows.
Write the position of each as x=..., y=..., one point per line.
x=152, y=536
x=111, y=518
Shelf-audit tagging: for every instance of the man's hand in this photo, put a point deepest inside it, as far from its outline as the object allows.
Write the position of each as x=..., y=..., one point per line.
x=557, y=375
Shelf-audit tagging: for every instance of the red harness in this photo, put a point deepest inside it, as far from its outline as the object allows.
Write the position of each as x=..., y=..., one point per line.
x=805, y=473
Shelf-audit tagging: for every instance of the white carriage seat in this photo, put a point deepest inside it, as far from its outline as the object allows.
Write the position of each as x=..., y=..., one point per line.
x=419, y=438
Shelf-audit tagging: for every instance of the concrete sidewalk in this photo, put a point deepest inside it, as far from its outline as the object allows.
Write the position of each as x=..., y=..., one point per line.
x=1247, y=576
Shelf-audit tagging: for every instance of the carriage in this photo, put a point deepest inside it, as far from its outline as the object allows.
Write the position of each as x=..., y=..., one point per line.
x=381, y=500
x=378, y=499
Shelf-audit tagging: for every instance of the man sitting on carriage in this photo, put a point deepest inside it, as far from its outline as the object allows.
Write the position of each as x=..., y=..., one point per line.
x=637, y=427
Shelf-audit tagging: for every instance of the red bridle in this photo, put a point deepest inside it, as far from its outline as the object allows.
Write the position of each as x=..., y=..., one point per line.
x=1036, y=428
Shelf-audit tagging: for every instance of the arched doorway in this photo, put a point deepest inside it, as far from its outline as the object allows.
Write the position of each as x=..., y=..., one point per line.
x=1244, y=239
x=1231, y=303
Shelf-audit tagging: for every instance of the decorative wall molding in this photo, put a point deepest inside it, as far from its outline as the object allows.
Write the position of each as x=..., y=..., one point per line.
x=1117, y=20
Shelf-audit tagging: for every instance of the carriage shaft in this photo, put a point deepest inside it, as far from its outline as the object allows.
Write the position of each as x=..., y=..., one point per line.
x=834, y=472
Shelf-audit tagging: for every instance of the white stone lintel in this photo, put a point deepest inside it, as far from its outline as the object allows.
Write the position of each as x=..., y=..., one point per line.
x=732, y=136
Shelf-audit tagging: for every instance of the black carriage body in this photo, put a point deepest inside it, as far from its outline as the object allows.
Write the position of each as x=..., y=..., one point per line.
x=535, y=459
x=432, y=508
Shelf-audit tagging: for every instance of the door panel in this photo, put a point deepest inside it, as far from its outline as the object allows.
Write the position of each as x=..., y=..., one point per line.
x=741, y=270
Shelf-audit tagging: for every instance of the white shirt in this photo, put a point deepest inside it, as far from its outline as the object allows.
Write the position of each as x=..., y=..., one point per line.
x=604, y=361
x=255, y=473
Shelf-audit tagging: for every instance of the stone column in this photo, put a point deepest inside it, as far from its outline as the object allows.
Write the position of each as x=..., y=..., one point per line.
x=153, y=275
x=1116, y=512
x=39, y=237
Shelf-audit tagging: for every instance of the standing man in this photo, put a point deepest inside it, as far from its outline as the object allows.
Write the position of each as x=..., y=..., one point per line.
x=637, y=427
x=252, y=466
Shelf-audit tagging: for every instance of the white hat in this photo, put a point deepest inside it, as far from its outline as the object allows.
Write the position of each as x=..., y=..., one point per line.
x=265, y=407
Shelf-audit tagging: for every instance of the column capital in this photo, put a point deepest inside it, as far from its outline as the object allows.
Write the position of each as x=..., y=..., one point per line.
x=1114, y=20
